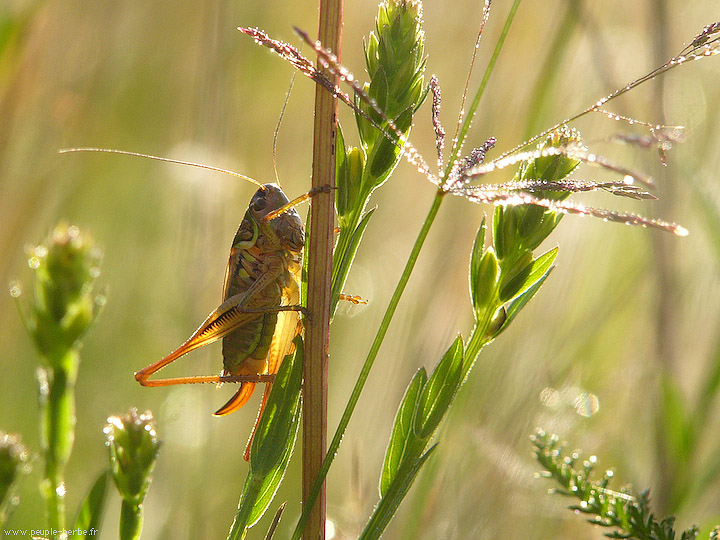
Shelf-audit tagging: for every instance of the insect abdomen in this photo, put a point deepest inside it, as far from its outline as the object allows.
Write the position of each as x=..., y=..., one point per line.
x=245, y=350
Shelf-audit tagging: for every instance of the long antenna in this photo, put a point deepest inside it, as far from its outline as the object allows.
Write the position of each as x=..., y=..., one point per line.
x=277, y=126
x=167, y=160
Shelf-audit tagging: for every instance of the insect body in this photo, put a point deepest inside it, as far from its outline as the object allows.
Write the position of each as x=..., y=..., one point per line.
x=258, y=317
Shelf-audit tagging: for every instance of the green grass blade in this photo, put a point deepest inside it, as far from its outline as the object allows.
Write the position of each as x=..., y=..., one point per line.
x=389, y=503
x=90, y=514
x=402, y=431
x=438, y=393
x=273, y=444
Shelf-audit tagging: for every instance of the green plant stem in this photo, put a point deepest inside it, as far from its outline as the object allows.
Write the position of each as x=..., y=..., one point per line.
x=478, y=340
x=131, y=519
x=57, y=426
x=319, y=280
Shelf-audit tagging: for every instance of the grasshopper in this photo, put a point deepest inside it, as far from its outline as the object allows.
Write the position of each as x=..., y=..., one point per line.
x=260, y=312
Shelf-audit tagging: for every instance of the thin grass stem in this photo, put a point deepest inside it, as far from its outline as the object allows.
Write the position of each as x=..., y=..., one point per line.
x=319, y=253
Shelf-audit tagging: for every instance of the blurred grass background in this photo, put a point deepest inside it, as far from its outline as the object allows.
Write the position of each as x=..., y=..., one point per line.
x=623, y=306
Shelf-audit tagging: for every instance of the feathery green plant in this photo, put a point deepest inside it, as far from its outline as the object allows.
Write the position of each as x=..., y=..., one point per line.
x=629, y=515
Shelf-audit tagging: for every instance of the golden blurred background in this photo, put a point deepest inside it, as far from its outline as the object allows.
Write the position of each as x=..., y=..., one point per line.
x=623, y=306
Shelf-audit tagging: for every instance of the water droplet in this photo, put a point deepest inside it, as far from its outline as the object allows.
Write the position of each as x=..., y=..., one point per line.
x=34, y=262
x=61, y=490
x=587, y=404
x=15, y=289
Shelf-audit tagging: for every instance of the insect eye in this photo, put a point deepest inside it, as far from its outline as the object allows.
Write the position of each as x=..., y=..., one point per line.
x=259, y=204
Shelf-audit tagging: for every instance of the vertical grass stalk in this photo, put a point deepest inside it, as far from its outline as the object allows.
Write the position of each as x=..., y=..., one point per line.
x=319, y=253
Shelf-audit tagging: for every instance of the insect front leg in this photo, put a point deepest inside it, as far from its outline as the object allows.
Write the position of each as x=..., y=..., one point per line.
x=302, y=198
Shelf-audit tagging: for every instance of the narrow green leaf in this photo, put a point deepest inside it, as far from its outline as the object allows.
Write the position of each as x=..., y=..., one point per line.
x=478, y=247
x=272, y=481
x=385, y=153
x=439, y=391
x=351, y=199
x=483, y=285
x=273, y=444
x=87, y=523
x=345, y=255
x=389, y=503
x=518, y=303
x=343, y=180
x=530, y=218
x=529, y=275
x=514, y=275
x=504, y=231
x=275, y=429
x=378, y=91
x=402, y=433
x=481, y=270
